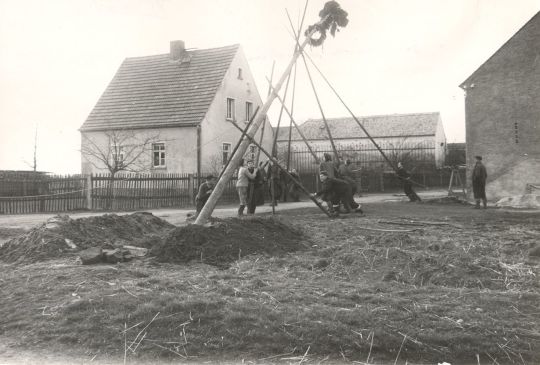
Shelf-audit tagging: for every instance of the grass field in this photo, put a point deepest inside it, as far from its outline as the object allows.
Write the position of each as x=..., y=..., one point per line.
x=407, y=283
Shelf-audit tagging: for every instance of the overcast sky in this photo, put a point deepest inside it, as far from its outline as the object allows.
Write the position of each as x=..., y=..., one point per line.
x=57, y=57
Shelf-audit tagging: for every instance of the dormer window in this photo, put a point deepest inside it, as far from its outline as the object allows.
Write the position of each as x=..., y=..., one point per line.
x=240, y=74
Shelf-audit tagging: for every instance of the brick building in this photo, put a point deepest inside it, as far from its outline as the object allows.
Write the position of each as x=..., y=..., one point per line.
x=502, y=114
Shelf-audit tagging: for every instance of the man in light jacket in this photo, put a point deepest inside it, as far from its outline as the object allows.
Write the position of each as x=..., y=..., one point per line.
x=243, y=183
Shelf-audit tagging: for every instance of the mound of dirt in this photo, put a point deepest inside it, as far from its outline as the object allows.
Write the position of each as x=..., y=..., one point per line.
x=526, y=201
x=447, y=200
x=63, y=235
x=227, y=240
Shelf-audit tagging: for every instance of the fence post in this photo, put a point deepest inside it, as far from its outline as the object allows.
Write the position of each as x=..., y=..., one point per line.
x=191, y=185
x=89, y=192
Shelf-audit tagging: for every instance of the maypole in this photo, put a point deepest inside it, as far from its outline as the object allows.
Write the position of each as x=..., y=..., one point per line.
x=332, y=17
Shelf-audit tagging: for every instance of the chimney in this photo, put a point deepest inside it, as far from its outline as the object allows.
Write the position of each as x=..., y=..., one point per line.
x=178, y=48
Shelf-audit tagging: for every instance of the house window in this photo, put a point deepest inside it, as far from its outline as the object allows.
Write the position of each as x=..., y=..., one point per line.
x=251, y=153
x=158, y=154
x=225, y=152
x=249, y=110
x=516, y=132
x=230, y=109
x=118, y=156
x=240, y=74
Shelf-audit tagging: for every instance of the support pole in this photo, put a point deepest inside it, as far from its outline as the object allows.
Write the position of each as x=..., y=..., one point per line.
x=356, y=119
x=265, y=119
x=244, y=131
x=293, y=179
x=290, y=123
x=299, y=130
x=316, y=97
x=208, y=208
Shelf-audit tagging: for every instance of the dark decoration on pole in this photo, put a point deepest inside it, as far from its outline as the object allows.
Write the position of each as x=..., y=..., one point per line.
x=332, y=17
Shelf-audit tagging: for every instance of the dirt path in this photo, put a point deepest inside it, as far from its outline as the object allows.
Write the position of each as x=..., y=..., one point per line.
x=24, y=222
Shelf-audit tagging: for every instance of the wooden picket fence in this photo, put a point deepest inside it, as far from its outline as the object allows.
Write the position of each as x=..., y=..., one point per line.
x=55, y=193
x=102, y=192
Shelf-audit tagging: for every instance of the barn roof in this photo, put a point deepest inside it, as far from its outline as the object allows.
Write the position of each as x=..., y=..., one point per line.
x=394, y=125
x=154, y=91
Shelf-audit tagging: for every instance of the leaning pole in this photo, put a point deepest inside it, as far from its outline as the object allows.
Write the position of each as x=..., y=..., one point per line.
x=208, y=208
x=211, y=203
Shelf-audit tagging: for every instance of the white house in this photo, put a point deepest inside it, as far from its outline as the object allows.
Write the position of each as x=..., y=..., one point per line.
x=173, y=112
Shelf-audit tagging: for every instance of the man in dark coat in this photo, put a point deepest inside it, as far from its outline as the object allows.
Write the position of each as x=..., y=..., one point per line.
x=275, y=182
x=294, y=190
x=328, y=166
x=204, y=193
x=347, y=173
x=256, y=188
x=405, y=178
x=335, y=191
x=479, y=176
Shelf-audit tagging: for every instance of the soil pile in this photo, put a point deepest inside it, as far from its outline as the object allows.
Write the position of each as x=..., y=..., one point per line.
x=62, y=235
x=227, y=240
x=447, y=200
x=526, y=201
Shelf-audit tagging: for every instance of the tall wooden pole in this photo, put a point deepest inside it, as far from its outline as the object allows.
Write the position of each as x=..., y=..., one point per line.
x=299, y=130
x=265, y=120
x=208, y=208
x=293, y=179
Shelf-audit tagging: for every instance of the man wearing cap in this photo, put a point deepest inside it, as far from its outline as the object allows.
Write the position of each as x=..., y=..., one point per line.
x=479, y=176
x=204, y=193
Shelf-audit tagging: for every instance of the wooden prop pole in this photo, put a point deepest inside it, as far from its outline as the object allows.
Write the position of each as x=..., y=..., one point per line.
x=244, y=131
x=299, y=130
x=293, y=179
x=357, y=121
x=208, y=208
x=265, y=120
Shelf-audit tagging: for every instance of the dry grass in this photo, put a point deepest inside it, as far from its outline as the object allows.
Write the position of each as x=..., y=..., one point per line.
x=442, y=293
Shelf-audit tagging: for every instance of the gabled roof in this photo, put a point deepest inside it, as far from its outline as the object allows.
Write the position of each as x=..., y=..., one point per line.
x=395, y=125
x=154, y=91
x=512, y=54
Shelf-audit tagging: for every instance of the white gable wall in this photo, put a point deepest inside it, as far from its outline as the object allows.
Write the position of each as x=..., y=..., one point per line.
x=215, y=128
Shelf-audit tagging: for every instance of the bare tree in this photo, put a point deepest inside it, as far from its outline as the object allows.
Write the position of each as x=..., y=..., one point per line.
x=214, y=164
x=34, y=164
x=406, y=152
x=119, y=151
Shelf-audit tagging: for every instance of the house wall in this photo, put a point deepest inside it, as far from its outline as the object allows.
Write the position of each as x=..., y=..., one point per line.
x=440, y=145
x=180, y=149
x=216, y=129
x=502, y=111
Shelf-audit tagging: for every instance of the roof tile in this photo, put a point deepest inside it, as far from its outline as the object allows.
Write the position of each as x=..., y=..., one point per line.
x=395, y=125
x=155, y=91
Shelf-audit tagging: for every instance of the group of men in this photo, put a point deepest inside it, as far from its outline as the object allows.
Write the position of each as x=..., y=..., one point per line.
x=250, y=186
x=338, y=185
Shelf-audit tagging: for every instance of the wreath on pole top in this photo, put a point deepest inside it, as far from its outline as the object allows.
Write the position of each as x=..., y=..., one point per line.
x=332, y=17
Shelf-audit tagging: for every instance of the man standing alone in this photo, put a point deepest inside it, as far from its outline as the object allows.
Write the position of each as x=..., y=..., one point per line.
x=479, y=176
